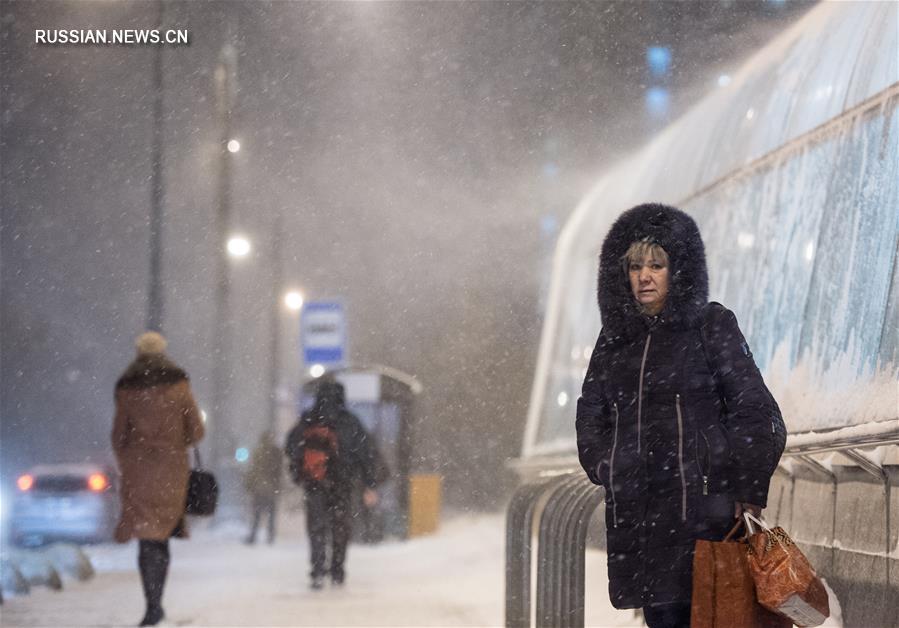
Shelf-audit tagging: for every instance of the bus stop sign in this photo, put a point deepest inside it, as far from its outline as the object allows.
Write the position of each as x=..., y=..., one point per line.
x=323, y=333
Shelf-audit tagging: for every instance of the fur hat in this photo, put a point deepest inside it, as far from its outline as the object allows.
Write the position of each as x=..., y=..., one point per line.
x=150, y=342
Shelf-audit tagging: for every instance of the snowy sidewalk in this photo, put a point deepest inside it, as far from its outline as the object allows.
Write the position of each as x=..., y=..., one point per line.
x=454, y=578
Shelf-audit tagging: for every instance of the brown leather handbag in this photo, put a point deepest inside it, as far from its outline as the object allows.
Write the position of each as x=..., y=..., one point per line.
x=723, y=588
x=785, y=581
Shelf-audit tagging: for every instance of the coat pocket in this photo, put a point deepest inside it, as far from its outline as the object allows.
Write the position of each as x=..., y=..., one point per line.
x=712, y=454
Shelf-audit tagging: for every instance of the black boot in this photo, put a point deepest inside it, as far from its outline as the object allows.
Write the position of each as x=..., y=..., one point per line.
x=153, y=561
x=153, y=616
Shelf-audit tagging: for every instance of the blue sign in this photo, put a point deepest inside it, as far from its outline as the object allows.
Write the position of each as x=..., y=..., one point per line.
x=323, y=333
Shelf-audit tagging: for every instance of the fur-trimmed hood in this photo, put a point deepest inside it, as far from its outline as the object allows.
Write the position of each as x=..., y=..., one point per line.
x=688, y=290
x=151, y=369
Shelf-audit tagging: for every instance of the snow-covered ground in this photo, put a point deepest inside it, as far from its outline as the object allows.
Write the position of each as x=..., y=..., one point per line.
x=453, y=578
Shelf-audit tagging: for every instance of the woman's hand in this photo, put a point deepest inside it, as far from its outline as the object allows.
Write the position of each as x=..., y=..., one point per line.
x=740, y=507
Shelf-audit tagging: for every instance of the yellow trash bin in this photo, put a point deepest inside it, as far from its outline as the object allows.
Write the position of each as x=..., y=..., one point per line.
x=424, y=503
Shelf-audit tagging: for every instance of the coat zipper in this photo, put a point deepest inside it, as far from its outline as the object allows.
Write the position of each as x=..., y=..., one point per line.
x=612, y=470
x=680, y=458
x=703, y=471
x=640, y=389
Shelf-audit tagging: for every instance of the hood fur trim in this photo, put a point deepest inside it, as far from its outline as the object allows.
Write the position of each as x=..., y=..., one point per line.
x=688, y=287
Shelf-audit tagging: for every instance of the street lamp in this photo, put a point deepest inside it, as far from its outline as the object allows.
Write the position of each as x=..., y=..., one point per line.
x=225, y=90
x=233, y=146
x=294, y=300
x=238, y=246
x=155, y=296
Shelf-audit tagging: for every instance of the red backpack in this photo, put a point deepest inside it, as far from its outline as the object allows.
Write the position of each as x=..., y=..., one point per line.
x=319, y=448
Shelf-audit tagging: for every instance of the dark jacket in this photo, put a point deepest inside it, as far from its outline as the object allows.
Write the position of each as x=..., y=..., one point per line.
x=674, y=420
x=357, y=455
x=156, y=420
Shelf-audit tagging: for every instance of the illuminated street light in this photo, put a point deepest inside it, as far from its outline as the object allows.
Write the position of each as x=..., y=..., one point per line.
x=238, y=246
x=317, y=370
x=294, y=300
x=233, y=146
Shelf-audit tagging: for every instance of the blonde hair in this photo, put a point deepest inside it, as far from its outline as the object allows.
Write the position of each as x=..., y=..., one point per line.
x=150, y=342
x=640, y=250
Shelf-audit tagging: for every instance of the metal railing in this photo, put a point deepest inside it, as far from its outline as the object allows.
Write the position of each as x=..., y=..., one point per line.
x=551, y=513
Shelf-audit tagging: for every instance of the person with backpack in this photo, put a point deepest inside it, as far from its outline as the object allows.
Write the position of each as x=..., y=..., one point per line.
x=328, y=451
x=674, y=420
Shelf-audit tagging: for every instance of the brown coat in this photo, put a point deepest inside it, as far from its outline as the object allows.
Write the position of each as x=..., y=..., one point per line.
x=156, y=420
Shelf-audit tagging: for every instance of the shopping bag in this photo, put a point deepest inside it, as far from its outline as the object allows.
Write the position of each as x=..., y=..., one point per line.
x=723, y=589
x=785, y=581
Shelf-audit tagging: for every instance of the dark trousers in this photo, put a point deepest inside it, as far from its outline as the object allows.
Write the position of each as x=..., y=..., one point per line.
x=153, y=562
x=667, y=616
x=328, y=519
x=263, y=506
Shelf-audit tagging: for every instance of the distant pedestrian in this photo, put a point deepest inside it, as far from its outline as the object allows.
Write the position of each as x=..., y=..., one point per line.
x=328, y=452
x=156, y=420
x=675, y=420
x=263, y=483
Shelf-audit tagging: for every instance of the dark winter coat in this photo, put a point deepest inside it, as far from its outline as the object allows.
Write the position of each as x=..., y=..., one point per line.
x=156, y=420
x=357, y=455
x=674, y=420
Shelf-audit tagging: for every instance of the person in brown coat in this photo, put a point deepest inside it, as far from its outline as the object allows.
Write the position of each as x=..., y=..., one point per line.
x=156, y=420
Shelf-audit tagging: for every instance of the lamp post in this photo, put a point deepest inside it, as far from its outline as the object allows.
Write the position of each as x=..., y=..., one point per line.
x=293, y=300
x=224, y=82
x=275, y=326
x=154, y=296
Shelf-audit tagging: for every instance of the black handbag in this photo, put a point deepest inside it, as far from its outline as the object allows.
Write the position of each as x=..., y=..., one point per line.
x=202, y=490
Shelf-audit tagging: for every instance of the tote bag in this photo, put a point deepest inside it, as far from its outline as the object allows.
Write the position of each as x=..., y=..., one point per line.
x=785, y=581
x=723, y=588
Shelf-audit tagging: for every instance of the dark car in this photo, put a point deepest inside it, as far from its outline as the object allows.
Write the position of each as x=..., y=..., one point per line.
x=64, y=502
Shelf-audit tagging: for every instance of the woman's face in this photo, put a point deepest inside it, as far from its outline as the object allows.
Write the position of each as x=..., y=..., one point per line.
x=649, y=284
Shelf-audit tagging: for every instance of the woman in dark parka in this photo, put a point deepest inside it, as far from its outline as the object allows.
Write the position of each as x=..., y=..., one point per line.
x=674, y=420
